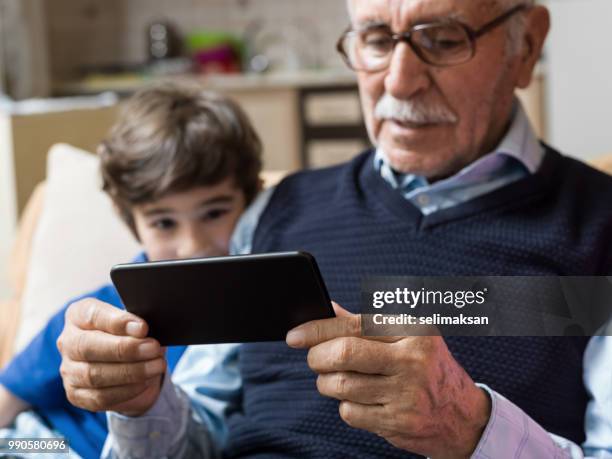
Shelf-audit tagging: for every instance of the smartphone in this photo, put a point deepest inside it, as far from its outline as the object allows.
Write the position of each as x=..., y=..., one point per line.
x=234, y=299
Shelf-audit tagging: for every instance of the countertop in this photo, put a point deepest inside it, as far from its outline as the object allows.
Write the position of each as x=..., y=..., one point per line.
x=129, y=83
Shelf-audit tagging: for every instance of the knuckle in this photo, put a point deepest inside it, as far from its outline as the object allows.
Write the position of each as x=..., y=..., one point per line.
x=64, y=372
x=97, y=401
x=125, y=349
x=341, y=384
x=92, y=313
x=321, y=385
x=345, y=351
x=131, y=374
x=347, y=413
x=70, y=313
x=70, y=395
x=81, y=347
x=318, y=332
x=121, y=350
x=355, y=325
x=410, y=353
x=93, y=376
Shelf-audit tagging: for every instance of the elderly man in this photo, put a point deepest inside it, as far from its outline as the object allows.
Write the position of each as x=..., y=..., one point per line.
x=458, y=185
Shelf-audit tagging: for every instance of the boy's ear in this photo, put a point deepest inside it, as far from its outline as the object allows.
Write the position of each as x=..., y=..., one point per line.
x=260, y=184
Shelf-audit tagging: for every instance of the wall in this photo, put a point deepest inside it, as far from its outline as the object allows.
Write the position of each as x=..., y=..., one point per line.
x=579, y=77
x=86, y=32
x=23, y=44
x=8, y=205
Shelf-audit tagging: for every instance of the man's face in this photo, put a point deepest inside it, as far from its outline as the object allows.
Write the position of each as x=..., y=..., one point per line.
x=191, y=224
x=475, y=97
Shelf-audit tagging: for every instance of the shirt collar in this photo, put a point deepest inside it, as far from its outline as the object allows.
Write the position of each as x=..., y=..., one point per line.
x=520, y=143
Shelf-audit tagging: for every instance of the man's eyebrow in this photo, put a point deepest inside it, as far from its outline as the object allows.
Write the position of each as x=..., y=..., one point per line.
x=378, y=23
x=371, y=24
x=452, y=16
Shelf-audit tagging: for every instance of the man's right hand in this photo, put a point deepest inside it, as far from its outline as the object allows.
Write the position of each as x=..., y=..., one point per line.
x=108, y=364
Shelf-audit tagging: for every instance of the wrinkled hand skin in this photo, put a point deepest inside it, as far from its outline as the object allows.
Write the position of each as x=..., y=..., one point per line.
x=108, y=364
x=408, y=389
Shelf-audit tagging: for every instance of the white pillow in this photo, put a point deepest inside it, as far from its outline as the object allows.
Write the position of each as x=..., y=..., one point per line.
x=77, y=239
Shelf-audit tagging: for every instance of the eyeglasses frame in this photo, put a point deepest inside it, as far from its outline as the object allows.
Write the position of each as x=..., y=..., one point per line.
x=406, y=37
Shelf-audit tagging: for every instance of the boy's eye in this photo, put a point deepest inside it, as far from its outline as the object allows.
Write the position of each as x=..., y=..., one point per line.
x=163, y=224
x=214, y=214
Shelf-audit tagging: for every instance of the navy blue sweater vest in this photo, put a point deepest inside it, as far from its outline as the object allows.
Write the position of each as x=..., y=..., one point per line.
x=556, y=222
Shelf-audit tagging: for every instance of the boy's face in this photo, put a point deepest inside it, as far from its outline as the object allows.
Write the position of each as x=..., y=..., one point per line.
x=192, y=224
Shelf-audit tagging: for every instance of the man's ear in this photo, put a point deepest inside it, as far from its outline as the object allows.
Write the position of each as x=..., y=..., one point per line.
x=537, y=24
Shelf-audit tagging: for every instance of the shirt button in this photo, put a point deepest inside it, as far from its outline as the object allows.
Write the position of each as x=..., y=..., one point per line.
x=154, y=435
x=423, y=199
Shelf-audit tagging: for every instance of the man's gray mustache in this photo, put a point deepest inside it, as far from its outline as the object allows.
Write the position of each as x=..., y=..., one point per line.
x=413, y=111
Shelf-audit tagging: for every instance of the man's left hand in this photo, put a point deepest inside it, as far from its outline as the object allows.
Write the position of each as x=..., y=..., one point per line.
x=407, y=389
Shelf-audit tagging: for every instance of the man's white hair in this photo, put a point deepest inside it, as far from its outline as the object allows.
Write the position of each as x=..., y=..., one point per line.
x=516, y=24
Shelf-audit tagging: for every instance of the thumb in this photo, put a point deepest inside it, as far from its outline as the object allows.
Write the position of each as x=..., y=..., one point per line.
x=340, y=311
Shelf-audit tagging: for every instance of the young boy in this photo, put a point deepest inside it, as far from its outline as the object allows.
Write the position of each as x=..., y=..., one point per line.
x=180, y=166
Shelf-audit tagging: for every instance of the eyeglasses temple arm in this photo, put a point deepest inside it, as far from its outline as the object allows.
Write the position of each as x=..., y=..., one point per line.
x=497, y=21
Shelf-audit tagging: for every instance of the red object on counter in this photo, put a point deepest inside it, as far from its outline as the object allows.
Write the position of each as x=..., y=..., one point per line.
x=220, y=59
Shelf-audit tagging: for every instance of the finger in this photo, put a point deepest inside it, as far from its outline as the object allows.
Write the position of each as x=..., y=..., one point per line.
x=318, y=331
x=103, y=399
x=103, y=375
x=367, y=417
x=387, y=337
x=97, y=346
x=140, y=404
x=91, y=314
x=356, y=387
x=340, y=311
x=352, y=354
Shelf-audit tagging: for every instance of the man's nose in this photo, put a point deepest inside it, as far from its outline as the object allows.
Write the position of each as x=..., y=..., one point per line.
x=407, y=74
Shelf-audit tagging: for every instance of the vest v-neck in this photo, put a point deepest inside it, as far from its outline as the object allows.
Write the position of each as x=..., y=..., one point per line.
x=525, y=188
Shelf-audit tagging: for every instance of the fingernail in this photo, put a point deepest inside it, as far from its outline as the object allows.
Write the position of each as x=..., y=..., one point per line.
x=134, y=329
x=154, y=367
x=296, y=338
x=148, y=350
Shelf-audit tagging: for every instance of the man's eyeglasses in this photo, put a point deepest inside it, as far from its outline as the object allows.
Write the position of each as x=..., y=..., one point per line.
x=441, y=44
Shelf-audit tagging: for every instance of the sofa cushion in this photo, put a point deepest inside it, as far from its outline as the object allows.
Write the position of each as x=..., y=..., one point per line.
x=76, y=241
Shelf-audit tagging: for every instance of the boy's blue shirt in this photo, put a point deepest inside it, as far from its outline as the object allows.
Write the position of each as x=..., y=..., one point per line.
x=33, y=376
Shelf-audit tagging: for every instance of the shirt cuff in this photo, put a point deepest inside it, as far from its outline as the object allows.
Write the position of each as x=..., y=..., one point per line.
x=511, y=433
x=155, y=434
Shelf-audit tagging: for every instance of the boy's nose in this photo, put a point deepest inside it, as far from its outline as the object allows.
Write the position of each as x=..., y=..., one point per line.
x=194, y=246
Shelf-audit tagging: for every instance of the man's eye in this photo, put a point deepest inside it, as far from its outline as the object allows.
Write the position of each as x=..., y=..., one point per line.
x=442, y=38
x=443, y=44
x=214, y=214
x=378, y=41
x=164, y=224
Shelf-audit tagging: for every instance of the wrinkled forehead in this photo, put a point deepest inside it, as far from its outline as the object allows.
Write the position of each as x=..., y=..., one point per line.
x=402, y=13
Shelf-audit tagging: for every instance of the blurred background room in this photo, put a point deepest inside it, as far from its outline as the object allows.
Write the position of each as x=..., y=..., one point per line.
x=65, y=65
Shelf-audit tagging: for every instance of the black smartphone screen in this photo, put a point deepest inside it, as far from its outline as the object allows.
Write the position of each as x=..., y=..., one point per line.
x=233, y=299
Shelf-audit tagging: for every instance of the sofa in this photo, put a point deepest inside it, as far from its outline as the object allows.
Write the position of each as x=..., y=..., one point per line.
x=67, y=240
